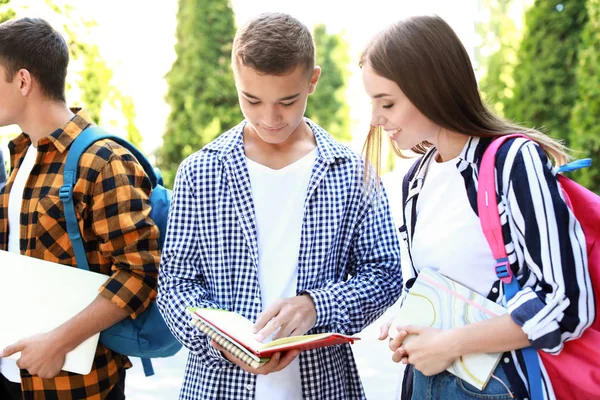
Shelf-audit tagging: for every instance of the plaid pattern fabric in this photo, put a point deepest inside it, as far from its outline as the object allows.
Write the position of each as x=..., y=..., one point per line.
x=111, y=202
x=349, y=262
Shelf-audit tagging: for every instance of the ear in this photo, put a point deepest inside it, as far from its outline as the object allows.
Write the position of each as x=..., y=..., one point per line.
x=25, y=81
x=314, y=79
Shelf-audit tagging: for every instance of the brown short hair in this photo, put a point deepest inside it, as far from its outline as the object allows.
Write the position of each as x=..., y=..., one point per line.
x=32, y=44
x=274, y=44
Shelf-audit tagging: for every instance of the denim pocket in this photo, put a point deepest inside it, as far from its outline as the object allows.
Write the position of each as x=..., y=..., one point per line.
x=495, y=389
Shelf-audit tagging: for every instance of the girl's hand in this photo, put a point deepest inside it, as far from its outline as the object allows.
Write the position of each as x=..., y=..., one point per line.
x=385, y=328
x=430, y=350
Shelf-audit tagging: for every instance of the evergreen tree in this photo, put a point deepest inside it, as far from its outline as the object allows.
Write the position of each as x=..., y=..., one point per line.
x=6, y=12
x=327, y=105
x=585, y=137
x=496, y=56
x=89, y=77
x=202, y=92
x=545, y=88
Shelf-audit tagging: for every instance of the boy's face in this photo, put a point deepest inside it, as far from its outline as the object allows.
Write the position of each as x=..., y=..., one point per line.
x=10, y=99
x=274, y=105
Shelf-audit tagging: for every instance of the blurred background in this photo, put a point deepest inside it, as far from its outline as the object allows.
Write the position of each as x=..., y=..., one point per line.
x=158, y=73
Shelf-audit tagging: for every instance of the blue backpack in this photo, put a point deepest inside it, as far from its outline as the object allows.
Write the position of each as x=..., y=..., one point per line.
x=147, y=336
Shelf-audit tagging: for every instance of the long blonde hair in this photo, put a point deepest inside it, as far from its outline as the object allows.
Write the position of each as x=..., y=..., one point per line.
x=427, y=60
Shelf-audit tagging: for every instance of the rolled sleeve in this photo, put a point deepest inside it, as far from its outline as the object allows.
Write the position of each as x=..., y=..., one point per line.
x=128, y=237
x=556, y=303
x=329, y=312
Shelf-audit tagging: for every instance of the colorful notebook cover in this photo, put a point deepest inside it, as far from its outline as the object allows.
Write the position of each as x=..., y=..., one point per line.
x=439, y=302
x=234, y=333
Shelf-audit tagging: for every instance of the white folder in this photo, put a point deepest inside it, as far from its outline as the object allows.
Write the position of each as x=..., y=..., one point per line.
x=37, y=296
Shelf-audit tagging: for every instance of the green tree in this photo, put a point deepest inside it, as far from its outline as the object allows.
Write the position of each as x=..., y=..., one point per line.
x=89, y=79
x=327, y=106
x=201, y=92
x=6, y=12
x=585, y=136
x=545, y=88
x=97, y=92
x=496, y=56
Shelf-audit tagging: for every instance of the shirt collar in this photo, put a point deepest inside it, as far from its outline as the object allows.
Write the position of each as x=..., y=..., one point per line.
x=329, y=150
x=473, y=150
x=61, y=138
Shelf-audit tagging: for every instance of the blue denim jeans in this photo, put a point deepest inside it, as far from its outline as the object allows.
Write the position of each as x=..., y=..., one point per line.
x=445, y=386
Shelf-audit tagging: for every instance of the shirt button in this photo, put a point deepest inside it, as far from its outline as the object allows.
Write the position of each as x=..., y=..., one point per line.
x=257, y=300
x=506, y=360
x=494, y=290
x=249, y=386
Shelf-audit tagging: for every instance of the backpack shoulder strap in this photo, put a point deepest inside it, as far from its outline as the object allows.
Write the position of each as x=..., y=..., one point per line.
x=492, y=229
x=488, y=209
x=94, y=133
x=404, y=231
x=407, y=178
x=82, y=142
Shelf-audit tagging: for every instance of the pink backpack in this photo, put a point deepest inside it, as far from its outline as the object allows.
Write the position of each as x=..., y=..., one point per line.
x=575, y=372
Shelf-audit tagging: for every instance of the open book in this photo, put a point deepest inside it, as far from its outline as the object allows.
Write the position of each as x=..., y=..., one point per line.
x=234, y=333
x=439, y=302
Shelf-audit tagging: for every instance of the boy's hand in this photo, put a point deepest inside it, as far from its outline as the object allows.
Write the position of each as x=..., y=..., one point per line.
x=291, y=316
x=277, y=362
x=41, y=355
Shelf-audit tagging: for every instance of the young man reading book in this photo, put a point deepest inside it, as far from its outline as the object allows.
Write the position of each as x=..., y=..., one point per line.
x=111, y=200
x=275, y=221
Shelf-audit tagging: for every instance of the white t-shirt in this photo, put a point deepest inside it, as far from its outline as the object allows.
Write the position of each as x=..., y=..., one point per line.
x=8, y=367
x=448, y=237
x=279, y=197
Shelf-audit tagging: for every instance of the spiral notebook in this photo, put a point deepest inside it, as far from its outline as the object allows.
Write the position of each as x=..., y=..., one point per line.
x=438, y=302
x=234, y=332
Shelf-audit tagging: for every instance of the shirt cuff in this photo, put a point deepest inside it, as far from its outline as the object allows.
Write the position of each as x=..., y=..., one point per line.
x=128, y=292
x=324, y=306
x=523, y=307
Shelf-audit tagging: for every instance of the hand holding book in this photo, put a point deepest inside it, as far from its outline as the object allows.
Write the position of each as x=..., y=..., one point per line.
x=434, y=301
x=292, y=316
x=234, y=333
x=277, y=362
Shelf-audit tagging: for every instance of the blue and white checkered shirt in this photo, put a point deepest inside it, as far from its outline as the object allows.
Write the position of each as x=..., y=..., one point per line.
x=349, y=262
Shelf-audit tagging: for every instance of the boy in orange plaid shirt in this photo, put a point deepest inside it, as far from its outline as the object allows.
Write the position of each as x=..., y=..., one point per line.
x=111, y=201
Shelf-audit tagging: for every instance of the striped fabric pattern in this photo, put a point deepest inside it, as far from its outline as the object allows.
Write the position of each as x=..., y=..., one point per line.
x=111, y=203
x=544, y=242
x=349, y=263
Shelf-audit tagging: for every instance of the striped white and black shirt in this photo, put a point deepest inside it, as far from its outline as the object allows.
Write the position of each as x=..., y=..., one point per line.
x=545, y=245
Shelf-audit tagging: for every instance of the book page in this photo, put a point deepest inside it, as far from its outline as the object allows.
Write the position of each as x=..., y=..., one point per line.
x=238, y=329
x=235, y=326
x=295, y=340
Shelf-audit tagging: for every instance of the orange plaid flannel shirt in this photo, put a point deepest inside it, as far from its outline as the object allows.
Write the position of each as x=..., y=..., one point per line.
x=111, y=202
